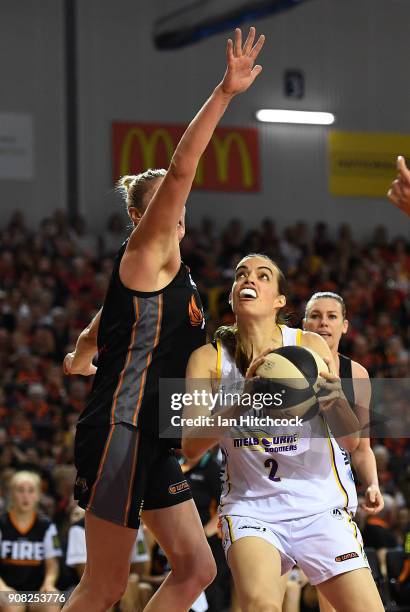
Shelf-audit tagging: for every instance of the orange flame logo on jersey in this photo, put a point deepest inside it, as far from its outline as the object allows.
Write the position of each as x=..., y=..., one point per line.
x=196, y=316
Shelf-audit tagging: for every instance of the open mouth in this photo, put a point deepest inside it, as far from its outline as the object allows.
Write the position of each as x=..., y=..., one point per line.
x=248, y=293
x=324, y=334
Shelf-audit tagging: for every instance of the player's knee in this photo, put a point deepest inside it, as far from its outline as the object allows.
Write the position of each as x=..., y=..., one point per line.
x=208, y=571
x=199, y=570
x=110, y=590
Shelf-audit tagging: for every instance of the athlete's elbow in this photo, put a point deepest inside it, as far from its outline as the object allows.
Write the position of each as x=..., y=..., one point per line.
x=181, y=167
x=349, y=443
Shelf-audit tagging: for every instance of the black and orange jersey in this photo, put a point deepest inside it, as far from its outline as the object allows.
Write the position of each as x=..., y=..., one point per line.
x=143, y=337
x=23, y=551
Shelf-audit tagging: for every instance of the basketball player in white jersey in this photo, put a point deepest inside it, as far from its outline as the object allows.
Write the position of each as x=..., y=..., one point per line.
x=287, y=498
x=326, y=315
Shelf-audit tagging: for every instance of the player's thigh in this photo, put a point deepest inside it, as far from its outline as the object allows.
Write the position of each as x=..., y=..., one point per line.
x=353, y=591
x=256, y=569
x=109, y=549
x=179, y=532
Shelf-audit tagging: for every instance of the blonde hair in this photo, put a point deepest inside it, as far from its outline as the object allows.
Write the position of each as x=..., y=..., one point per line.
x=24, y=475
x=134, y=186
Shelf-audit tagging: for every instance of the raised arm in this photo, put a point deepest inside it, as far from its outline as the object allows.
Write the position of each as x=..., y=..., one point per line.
x=154, y=243
x=399, y=192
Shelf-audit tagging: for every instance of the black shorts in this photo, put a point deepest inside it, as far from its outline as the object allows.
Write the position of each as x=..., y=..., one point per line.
x=120, y=472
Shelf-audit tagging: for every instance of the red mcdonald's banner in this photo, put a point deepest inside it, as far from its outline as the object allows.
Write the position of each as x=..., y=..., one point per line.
x=230, y=163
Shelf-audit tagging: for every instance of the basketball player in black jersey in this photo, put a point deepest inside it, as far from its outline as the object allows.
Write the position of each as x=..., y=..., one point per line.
x=150, y=323
x=326, y=315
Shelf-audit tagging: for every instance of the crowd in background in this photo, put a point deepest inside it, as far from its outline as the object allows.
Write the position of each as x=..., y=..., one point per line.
x=54, y=278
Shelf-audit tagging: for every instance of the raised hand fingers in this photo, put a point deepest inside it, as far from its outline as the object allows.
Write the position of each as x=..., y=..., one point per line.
x=238, y=43
x=229, y=50
x=257, y=47
x=249, y=41
x=402, y=169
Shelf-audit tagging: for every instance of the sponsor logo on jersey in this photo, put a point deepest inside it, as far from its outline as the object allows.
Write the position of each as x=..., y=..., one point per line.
x=178, y=487
x=196, y=315
x=21, y=550
x=264, y=444
x=346, y=557
x=252, y=527
x=337, y=514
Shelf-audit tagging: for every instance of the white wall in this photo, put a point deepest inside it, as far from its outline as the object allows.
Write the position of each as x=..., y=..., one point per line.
x=349, y=52
x=353, y=53
x=31, y=77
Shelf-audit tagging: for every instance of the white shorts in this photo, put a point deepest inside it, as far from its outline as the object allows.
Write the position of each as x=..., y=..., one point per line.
x=322, y=545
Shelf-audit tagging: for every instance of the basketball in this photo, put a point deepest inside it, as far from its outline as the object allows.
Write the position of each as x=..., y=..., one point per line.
x=293, y=372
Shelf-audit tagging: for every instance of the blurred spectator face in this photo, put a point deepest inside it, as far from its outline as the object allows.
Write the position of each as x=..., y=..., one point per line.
x=64, y=477
x=382, y=457
x=325, y=317
x=403, y=518
x=48, y=505
x=32, y=456
x=24, y=493
x=43, y=342
x=360, y=346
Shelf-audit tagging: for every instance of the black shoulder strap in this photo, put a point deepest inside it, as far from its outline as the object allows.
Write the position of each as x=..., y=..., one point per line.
x=345, y=373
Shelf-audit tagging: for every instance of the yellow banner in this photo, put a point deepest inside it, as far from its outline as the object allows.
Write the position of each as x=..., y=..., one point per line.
x=364, y=164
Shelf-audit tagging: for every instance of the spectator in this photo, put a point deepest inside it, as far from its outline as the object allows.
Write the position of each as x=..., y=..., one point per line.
x=29, y=544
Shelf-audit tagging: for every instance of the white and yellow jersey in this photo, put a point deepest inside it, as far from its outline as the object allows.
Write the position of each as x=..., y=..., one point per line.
x=295, y=474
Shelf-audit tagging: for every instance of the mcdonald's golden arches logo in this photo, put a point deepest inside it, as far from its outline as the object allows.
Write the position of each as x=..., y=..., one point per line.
x=230, y=163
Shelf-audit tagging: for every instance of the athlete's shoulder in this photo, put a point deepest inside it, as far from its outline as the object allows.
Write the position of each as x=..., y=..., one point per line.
x=312, y=340
x=359, y=371
x=202, y=360
x=205, y=352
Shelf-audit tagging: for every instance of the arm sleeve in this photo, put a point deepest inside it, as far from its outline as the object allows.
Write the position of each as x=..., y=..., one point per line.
x=52, y=547
x=76, y=548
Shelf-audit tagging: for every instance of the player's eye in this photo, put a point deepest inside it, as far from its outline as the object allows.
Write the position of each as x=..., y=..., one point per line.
x=264, y=275
x=240, y=274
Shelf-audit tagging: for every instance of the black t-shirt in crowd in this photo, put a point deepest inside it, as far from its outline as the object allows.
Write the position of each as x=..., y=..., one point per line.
x=205, y=485
x=23, y=551
x=377, y=534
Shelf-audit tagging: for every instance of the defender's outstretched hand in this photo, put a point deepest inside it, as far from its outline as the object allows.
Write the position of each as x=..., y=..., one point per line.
x=241, y=71
x=399, y=192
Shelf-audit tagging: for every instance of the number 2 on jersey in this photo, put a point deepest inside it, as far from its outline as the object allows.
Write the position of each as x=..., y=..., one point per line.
x=273, y=465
